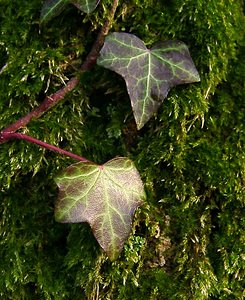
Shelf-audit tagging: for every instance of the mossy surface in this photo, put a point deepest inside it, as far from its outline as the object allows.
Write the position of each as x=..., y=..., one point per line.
x=187, y=241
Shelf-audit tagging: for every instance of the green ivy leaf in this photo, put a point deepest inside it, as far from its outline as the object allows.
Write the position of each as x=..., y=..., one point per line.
x=105, y=196
x=149, y=73
x=51, y=9
x=86, y=6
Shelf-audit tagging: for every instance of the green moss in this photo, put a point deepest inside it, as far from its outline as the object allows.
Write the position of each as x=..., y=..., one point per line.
x=187, y=242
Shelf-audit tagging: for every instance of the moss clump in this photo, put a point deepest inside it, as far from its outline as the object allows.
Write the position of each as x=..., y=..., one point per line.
x=187, y=241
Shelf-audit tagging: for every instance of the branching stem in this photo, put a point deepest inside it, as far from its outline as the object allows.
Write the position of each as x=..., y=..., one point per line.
x=53, y=99
x=10, y=131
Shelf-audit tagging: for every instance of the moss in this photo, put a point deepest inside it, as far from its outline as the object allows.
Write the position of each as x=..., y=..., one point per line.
x=187, y=242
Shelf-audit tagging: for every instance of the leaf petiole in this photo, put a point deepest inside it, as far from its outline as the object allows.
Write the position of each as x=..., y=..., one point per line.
x=15, y=135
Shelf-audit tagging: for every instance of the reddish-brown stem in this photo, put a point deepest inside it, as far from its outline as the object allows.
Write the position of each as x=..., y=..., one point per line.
x=53, y=99
x=48, y=102
x=10, y=131
x=15, y=135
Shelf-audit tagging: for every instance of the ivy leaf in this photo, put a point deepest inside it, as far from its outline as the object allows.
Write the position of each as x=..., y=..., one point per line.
x=51, y=9
x=105, y=196
x=149, y=73
x=86, y=6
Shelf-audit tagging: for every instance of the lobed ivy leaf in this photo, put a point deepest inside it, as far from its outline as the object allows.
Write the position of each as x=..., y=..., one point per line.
x=149, y=73
x=52, y=8
x=86, y=6
x=105, y=196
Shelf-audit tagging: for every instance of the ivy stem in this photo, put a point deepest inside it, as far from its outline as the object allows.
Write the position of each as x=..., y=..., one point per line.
x=15, y=135
x=53, y=99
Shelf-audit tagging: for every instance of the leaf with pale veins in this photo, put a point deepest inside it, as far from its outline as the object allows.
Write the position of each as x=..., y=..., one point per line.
x=105, y=196
x=149, y=73
x=52, y=8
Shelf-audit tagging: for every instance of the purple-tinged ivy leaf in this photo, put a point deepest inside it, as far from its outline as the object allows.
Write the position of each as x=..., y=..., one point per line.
x=149, y=73
x=86, y=6
x=51, y=9
x=105, y=196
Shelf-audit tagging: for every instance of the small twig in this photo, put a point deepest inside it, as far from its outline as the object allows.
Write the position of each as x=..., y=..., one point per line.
x=48, y=102
x=94, y=53
x=14, y=135
x=53, y=99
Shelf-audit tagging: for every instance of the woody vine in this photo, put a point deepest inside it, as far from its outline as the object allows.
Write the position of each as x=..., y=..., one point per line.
x=106, y=196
